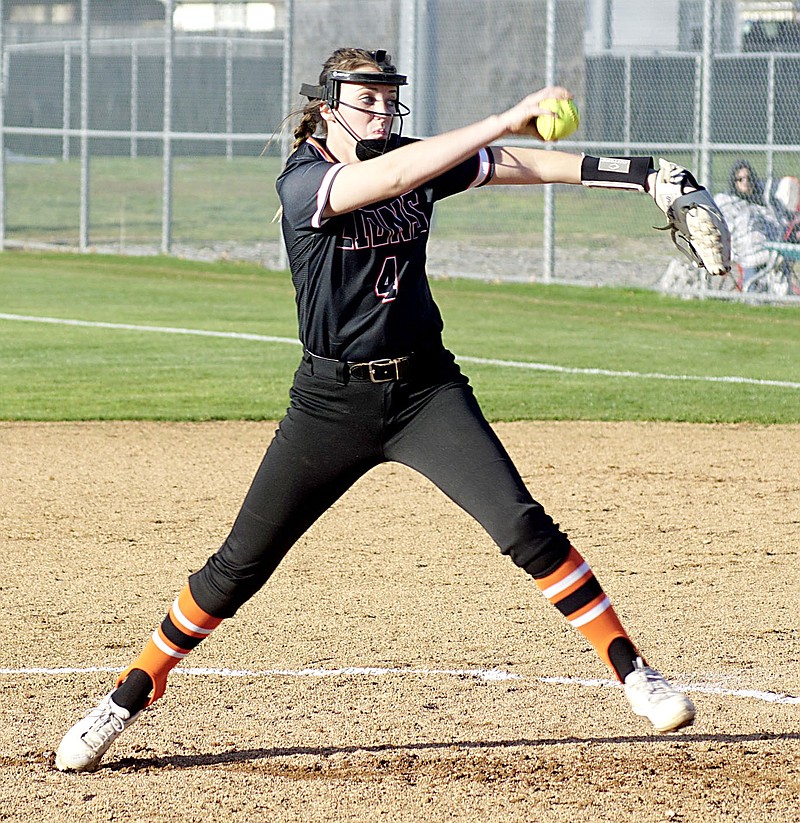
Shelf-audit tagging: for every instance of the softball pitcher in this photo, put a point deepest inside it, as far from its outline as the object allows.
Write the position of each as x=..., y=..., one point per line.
x=375, y=382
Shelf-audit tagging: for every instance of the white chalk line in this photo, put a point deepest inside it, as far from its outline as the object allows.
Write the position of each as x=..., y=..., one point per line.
x=96, y=324
x=480, y=361
x=484, y=675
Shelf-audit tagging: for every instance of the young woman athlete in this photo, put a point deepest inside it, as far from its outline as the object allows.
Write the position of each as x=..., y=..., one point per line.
x=375, y=382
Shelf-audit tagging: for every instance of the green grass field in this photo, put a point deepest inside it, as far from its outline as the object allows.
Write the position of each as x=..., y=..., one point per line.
x=213, y=199
x=68, y=372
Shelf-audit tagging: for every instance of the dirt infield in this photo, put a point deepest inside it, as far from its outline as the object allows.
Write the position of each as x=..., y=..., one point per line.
x=467, y=697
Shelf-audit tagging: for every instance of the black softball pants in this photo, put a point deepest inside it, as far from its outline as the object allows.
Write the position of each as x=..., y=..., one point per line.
x=334, y=432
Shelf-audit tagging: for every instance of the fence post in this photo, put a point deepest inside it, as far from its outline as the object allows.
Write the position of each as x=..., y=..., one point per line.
x=426, y=119
x=407, y=59
x=166, y=137
x=698, y=104
x=627, y=100
x=229, y=96
x=286, y=92
x=549, y=227
x=134, y=152
x=2, y=137
x=770, y=116
x=83, y=230
x=66, y=101
x=705, y=118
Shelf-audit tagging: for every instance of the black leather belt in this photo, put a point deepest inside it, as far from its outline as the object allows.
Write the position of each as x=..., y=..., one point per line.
x=371, y=371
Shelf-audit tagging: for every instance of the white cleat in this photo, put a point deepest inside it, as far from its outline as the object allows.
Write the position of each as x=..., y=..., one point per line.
x=651, y=696
x=88, y=740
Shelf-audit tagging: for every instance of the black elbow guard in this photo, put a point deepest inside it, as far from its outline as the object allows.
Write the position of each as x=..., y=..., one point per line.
x=616, y=172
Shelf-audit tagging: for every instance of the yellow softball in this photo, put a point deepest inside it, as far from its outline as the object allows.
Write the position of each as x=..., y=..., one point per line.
x=564, y=122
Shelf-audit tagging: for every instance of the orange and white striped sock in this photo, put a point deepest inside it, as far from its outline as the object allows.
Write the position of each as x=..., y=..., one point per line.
x=184, y=627
x=574, y=590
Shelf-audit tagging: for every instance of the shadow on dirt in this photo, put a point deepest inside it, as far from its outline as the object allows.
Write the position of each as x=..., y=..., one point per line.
x=243, y=756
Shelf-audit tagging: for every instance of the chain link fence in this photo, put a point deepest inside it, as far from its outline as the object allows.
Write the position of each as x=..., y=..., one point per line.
x=157, y=125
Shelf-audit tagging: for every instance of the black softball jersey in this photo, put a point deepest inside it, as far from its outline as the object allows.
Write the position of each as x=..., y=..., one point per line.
x=362, y=290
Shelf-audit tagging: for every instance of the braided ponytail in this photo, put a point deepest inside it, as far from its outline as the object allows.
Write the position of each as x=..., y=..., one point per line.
x=308, y=124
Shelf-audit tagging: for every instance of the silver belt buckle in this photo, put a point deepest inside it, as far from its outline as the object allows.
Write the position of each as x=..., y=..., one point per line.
x=386, y=362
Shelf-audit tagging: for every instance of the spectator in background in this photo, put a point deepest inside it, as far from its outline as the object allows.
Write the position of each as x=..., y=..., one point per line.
x=755, y=217
x=787, y=197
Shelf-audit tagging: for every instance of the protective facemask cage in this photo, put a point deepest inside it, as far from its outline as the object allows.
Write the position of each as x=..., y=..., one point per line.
x=329, y=92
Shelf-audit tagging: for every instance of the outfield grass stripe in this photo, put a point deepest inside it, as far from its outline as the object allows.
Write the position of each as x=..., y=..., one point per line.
x=164, y=329
x=481, y=361
x=521, y=364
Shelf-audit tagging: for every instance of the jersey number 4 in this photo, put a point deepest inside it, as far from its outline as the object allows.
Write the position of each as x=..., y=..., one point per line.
x=388, y=282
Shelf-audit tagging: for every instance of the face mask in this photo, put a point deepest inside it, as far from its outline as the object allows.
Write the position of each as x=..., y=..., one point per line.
x=367, y=149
